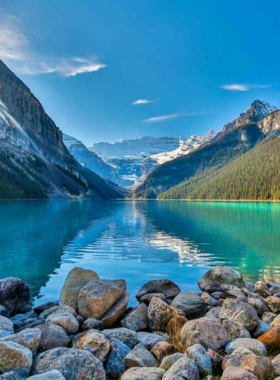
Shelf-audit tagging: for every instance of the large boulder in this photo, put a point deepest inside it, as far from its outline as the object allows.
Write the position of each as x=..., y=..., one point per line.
x=115, y=364
x=94, y=342
x=73, y=364
x=14, y=294
x=253, y=345
x=159, y=314
x=271, y=338
x=75, y=281
x=260, y=366
x=166, y=287
x=183, y=369
x=234, y=373
x=98, y=296
x=115, y=313
x=52, y=336
x=191, y=304
x=127, y=337
x=199, y=355
x=140, y=357
x=29, y=338
x=137, y=320
x=65, y=320
x=15, y=357
x=239, y=311
x=205, y=331
x=145, y=373
x=215, y=279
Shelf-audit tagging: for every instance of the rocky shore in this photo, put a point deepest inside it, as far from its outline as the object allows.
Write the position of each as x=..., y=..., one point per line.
x=229, y=330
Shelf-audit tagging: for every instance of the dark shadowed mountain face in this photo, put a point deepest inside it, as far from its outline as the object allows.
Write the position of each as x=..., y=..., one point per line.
x=34, y=162
x=231, y=143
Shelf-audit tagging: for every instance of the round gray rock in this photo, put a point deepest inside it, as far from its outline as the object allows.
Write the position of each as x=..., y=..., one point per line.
x=66, y=320
x=73, y=364
x=127, y=337
x=52, y=336
x=253, y=345
x=29, y=338
x=199, y=355
x=95, y=342
x=205, y=331
x=191, y=305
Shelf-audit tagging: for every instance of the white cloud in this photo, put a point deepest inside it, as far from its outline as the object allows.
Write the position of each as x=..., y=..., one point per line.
x=162, y=118
x=16, y=49
x=244, y=87
x=143, y=101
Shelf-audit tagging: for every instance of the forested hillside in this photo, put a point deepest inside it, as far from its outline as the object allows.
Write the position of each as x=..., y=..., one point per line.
x=252, y=176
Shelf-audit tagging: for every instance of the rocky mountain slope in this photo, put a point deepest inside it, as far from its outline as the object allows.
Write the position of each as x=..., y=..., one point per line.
x=34, y=162
x=236, y=138
x=91, y=160
x=187, y=146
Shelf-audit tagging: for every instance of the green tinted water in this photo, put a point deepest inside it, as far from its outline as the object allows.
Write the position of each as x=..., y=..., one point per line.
x=40, y=241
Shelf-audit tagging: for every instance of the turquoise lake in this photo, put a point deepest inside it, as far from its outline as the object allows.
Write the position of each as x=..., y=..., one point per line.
x=40, y=241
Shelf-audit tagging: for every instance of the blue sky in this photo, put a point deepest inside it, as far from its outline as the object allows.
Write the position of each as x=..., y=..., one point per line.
x=198, y=63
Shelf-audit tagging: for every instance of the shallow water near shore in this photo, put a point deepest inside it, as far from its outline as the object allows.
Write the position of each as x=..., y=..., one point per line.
x=41, y=241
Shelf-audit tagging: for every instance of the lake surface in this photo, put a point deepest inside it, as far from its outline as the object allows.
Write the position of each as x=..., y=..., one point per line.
x=40, y=241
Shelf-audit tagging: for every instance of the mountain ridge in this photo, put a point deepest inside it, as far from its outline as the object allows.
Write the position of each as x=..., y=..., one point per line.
x=219, y=151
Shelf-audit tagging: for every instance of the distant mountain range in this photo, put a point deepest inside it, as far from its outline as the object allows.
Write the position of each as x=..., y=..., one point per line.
x=34, y=162
x=240, y=162
x=135, y=159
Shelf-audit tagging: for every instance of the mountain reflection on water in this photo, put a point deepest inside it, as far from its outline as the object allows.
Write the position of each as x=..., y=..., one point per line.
x=139, y=241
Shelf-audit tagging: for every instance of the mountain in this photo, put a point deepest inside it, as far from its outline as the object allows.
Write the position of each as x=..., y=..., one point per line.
x=34, y=162
x=252, y=127
x=252, y=176
x=91, y=160
x=192, y=143
x=128, y=156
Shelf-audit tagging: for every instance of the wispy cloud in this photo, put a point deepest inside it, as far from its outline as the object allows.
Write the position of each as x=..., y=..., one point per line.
x=158, y=119
x=16, y=49
x=244, y=87
x=143, y=101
